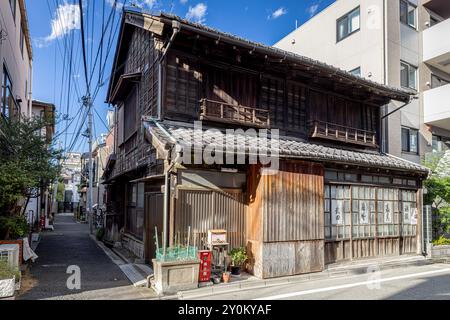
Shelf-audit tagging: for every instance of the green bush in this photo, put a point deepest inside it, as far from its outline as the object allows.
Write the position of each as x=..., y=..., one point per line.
x=442, y=241
x=13, y=227
x=6, y=272
x=238, y=256
x=100, y=234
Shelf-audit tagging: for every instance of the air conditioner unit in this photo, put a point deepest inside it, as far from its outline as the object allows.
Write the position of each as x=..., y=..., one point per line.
x=10, y=253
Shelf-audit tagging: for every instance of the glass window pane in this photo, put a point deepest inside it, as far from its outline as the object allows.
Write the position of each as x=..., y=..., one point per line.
x=354, y=21
x=403, y=12
x=404, y=75
x=412, y=72
x=413, y=141
x=412, y=16
x=405, y=139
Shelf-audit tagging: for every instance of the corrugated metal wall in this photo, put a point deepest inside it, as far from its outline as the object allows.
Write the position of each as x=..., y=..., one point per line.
x=204, y=210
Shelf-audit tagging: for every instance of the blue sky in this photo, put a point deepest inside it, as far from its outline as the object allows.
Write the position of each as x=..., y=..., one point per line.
x=55, y=24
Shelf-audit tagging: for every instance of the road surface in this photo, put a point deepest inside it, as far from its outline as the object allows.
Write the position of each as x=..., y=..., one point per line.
x=70, y=245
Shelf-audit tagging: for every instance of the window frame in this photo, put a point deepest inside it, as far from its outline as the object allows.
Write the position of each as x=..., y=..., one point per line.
x=375, y=196
x=346, y=16
x=407, y=23
x=4, y=89
x=408, y=147
x=408, y=68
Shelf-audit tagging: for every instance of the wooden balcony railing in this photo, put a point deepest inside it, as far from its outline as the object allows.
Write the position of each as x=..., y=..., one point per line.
x=331, y=131
x=235, y=114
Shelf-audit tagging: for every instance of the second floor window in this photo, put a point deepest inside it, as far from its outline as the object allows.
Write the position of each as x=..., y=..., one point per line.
x=348, y=24
x=408, y=75
x=408, y=14
x=410, y=139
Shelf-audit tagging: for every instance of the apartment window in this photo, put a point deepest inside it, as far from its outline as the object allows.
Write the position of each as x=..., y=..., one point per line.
x=410, y=138
x=356, y=72
x=408, y=13
x=7, y=96
x=348, y=24
x=437, y=82
x=440, y=144
x=408, y=76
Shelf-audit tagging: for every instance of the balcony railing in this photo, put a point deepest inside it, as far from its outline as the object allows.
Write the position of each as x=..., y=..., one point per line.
x=235, y=114
x=336, y=132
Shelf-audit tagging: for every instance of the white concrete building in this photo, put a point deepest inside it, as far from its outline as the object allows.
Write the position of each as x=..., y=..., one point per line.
x=15, y=59
x=396, y=42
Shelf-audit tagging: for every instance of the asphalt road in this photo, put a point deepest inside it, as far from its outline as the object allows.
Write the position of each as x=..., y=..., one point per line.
x=430, y=282
x=70, y=245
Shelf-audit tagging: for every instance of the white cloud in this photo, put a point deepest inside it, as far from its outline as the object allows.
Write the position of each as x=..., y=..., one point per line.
x=183, y=1
x=197, y=13
x=277, y=13
x=66, y=19
x=312, y=10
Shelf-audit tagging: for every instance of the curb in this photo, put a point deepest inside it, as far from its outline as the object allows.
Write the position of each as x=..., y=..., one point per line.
x=267, y=283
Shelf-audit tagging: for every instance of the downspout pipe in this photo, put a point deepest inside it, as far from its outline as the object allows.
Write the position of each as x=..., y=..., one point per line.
x=176, y=26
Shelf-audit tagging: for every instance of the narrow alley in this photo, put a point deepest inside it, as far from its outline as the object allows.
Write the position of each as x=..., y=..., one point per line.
x=70, y=245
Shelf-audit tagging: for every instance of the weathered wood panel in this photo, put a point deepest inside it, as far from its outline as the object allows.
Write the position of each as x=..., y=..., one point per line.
x=293, y=202
x=291, y=258
x=337, y=251
x=285, y=228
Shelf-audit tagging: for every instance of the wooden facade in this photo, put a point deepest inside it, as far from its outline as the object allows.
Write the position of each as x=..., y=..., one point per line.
x=285, y=219
x=282, y=219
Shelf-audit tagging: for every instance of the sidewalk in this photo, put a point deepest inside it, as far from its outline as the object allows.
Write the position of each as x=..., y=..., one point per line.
x=246, y=282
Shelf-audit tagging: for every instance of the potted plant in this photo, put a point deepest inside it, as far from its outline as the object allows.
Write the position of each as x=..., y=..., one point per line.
x=238, y=258
x=8, y=278
x=226, y=277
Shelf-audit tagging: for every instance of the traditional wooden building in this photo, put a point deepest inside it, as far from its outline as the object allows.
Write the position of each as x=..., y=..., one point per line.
x=335, y=196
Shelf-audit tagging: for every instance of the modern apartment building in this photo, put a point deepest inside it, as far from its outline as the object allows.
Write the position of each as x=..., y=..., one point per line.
x=395, y=42
x=15, y=60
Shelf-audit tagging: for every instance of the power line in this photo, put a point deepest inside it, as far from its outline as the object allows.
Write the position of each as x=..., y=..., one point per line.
x=80, y=4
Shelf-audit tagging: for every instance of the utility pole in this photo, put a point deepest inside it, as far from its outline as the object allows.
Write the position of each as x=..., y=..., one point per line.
x=88, y=104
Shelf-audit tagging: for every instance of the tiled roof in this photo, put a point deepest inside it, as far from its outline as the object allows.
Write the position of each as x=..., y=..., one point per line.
x=288, y=147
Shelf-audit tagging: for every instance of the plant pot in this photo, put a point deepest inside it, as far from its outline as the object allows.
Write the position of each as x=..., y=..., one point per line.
x=7, y=287
x=226, y=277
x=216, y=280
x=236, y=270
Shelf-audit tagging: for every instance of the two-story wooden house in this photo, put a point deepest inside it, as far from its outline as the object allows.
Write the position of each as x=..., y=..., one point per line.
x=335, y=196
